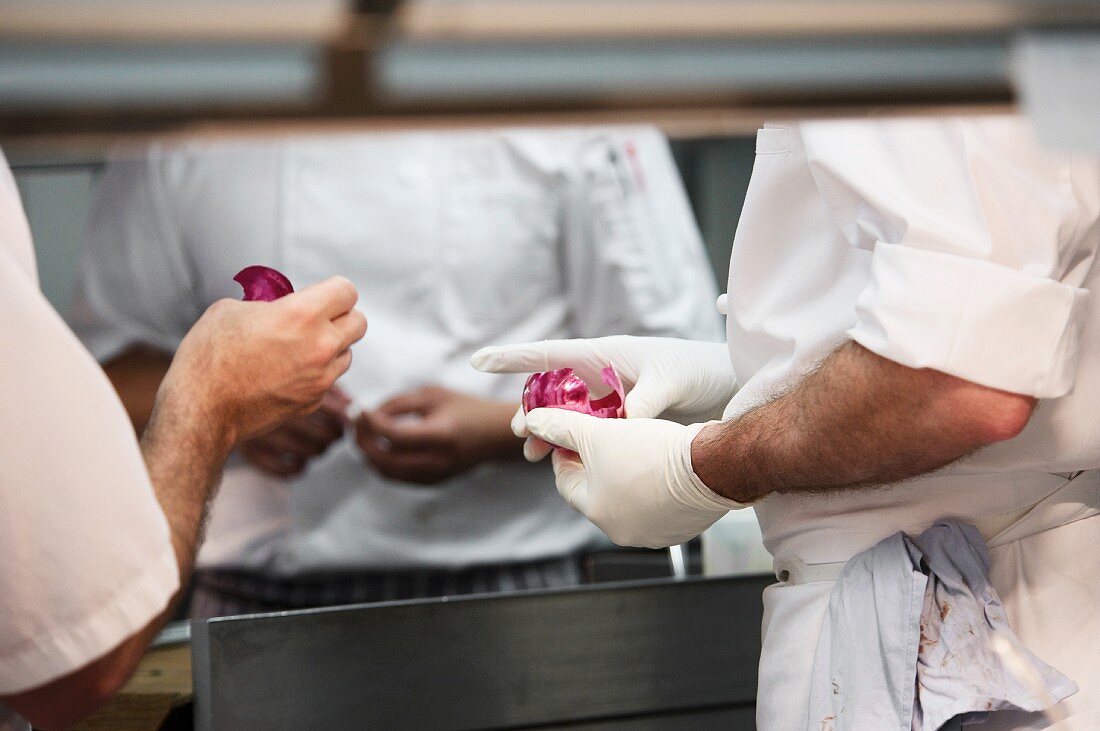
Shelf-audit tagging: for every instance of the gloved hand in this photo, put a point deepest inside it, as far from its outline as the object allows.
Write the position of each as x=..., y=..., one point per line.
x=688, y=380
x=631, y=477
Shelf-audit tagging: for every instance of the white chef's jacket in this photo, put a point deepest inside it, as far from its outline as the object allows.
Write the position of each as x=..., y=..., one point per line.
x=455, y=241
x=956, y=245
x=85, y=554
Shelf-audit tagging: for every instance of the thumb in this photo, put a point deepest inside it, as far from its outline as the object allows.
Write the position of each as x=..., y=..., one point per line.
x=559, y=427
x=648, y=399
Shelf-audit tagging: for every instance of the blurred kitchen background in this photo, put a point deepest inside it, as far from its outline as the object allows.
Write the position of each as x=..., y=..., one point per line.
x=78, y=77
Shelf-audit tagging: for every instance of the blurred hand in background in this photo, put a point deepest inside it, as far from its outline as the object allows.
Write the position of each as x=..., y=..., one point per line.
x=287, y=449
x=433, y=433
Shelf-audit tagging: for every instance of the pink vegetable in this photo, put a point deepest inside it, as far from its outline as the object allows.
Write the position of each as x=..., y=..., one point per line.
x=563, y=389
x=263, y=284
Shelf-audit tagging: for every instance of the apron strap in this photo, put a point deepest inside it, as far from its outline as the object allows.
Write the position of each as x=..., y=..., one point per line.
x=1076, y=500
x=793, y=571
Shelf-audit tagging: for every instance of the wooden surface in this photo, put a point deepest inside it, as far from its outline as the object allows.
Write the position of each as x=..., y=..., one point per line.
x=175, y=20
x=162, y=682
x=482, y=20
x=91, y=149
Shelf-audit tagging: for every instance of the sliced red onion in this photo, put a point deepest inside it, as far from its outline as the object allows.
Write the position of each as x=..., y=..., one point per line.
x=263, y=284
x=563, y=389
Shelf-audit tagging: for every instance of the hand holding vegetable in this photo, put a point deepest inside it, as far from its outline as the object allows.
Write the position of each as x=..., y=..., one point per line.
x=631, y=477
x=248, y=366
x=682, y=379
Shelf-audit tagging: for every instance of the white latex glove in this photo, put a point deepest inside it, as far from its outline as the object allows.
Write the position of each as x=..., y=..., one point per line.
x=688, y=380
x=631, y=477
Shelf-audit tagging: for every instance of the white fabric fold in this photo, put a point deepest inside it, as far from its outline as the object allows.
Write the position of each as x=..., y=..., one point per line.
x=983, y=322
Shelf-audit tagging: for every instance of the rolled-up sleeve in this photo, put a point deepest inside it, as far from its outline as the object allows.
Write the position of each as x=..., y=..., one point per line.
x=986, y=323
x=979, y=243
x=86, y=558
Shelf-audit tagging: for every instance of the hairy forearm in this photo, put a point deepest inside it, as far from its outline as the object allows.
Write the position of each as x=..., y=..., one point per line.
x=858, y=420
x=136, y=375
x=184, y=449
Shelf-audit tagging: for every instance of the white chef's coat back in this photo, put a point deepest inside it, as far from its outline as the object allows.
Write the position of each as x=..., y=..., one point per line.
x=85, y=555
x=455, y=240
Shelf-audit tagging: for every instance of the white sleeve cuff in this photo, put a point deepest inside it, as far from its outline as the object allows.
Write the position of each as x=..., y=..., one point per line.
x=972, y=319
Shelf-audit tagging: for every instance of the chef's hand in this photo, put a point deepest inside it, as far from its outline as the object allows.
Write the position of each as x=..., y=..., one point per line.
x=631, y=477
x=287, y=449
x=433, y=433
x=245, y=367
x=687, y=380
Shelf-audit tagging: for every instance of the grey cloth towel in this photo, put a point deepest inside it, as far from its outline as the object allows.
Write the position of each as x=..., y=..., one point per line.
x=908, y=641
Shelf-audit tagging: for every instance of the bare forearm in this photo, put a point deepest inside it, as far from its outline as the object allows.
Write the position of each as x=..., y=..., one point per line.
x=185, y=450
x=858, y=420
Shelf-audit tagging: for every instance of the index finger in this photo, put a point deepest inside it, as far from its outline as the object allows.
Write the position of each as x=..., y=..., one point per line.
x=539, y=356
x=333, y=297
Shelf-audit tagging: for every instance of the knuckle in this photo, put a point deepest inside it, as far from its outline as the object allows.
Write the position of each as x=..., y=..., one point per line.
x=338, y=289
x=331, y=344
x=344, y=286
x=299, y=313
x=221, y=308
x=323, y=350
x=322, y=383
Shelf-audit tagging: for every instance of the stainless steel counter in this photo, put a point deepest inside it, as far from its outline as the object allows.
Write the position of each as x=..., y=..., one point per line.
x=642, y=655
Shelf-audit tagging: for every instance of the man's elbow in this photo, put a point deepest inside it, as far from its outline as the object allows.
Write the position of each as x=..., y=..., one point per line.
x=1005, y=415
x=64, y=702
